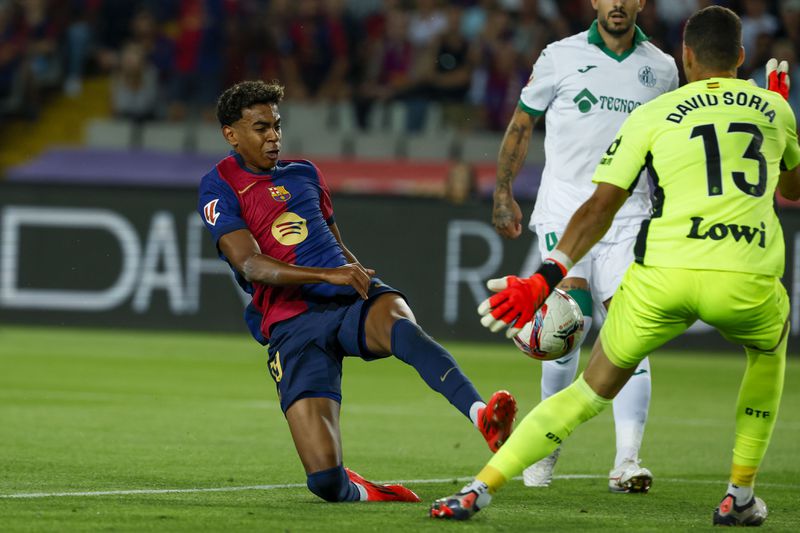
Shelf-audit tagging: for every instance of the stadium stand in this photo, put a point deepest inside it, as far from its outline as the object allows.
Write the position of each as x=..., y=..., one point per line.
x=436, y=146
x=110, y=133
x=208, y=140
x=369, y=94
x=167, y=136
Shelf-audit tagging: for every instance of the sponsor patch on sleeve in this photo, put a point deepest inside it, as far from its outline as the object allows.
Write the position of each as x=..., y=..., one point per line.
x=210, y=211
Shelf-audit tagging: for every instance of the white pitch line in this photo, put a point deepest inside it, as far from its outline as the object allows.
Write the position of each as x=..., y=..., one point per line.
x=302, y=485
x=151, y=491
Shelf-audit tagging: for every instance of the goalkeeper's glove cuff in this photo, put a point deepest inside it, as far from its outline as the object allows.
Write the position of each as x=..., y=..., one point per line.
x=554, y=268
x=563, y=259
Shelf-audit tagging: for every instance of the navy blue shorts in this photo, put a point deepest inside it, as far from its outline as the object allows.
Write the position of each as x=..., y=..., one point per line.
x=306, y=351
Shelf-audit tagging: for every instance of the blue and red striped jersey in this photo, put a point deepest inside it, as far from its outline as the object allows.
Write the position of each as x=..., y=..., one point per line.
x=288, y=210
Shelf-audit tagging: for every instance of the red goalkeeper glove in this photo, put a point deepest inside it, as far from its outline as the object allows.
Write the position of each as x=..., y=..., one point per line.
x=517, y=299
x=778, y=77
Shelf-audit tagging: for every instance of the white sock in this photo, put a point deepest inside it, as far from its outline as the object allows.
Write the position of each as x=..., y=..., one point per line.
x=742, y=495
x=630, y=413
x=473, y=411
x=362, y=492
x=559, y=374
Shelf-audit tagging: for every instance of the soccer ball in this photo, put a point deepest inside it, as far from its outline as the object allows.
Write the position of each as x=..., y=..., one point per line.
x=556, y=328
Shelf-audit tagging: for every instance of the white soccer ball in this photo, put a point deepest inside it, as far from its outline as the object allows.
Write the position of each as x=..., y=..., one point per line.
x=556, y=328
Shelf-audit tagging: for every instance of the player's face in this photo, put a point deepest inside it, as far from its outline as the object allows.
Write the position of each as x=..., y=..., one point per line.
x=617, y=17
x=257, y=136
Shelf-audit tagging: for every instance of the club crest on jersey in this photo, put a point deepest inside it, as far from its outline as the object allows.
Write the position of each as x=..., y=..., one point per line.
x=647, y=77
x=210, y=211
x=290, y=229
x=279, y=193
x=585, y=100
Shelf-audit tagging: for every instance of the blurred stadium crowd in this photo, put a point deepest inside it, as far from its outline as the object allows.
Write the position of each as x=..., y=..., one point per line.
x=169, y=59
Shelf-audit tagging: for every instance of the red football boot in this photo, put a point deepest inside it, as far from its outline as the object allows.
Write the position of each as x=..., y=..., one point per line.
x=382, y=493
x=496, y=420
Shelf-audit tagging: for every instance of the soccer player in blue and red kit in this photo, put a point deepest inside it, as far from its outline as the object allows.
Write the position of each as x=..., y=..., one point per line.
x=312, y=301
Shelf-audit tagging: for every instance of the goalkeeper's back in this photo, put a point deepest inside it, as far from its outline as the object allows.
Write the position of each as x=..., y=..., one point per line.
x=714, y=149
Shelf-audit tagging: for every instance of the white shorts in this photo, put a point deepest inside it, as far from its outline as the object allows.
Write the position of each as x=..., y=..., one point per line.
x=604, y=265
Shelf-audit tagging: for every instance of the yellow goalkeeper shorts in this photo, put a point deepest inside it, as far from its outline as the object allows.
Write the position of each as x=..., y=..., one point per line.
x=654, y=305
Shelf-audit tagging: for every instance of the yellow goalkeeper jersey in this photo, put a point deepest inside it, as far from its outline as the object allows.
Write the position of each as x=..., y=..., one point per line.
x=714, y=149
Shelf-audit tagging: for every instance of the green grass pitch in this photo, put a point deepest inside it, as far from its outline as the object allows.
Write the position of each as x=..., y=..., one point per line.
x=84, y=411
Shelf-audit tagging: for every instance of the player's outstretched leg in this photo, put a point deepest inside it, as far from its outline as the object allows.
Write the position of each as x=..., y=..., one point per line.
x=390, y=328
x=630, y=416
x=557, y=375
x=434, y=364
x=542, y=430
x=440, y=371
x=539, y=433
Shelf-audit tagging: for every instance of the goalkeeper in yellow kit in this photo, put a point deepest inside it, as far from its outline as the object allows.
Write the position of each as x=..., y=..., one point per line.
x=712, y=250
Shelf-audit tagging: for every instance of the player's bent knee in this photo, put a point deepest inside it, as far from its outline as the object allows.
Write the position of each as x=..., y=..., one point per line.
x=392, y=306
x=387, y=310
x=332, y=485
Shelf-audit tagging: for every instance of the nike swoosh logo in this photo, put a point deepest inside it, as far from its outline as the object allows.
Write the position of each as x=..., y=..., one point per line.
x=444, y=376
x=586, y=69
x=247, y=188
x=640, y=371
x=560, y=362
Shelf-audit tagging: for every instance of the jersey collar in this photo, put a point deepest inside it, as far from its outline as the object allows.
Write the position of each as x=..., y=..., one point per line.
x=597, y=39
x=240, y=161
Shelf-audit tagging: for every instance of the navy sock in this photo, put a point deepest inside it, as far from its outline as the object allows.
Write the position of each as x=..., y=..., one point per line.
x=333, y=485
x=437, y=367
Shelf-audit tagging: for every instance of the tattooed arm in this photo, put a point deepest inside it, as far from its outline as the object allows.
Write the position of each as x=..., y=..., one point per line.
x=506, y=214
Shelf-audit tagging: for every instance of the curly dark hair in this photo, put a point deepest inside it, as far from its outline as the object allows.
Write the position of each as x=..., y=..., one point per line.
x=245, y=94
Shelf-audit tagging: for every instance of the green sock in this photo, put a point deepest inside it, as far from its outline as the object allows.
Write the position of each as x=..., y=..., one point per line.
x=542, y=430
x=757, y=410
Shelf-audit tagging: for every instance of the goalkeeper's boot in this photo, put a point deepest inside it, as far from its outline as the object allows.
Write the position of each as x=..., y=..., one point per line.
x=629, y=476
x=381, y=493
x=463, y=504
x=753, y=513
x=496, y=420
x=540, y=474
